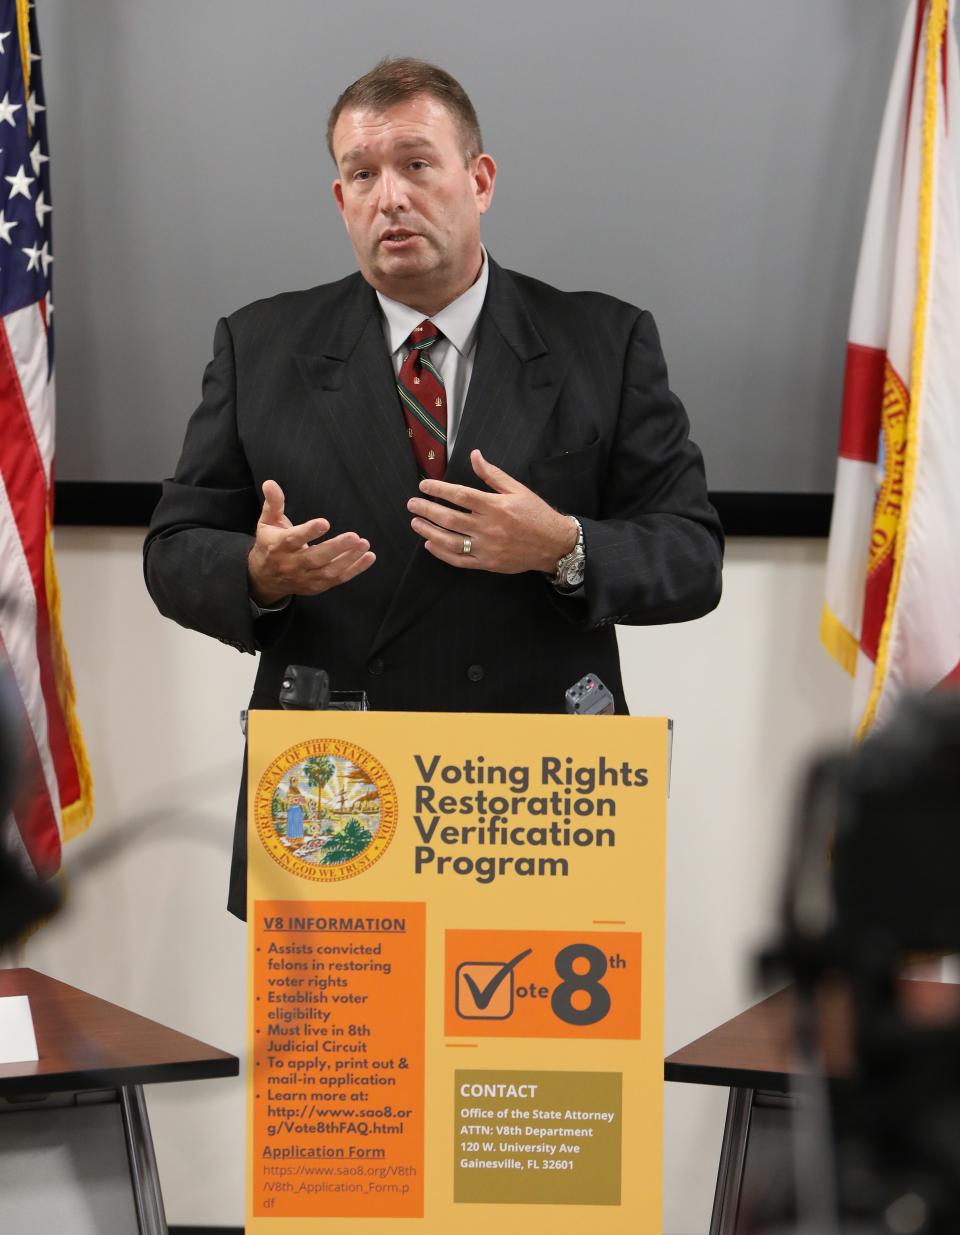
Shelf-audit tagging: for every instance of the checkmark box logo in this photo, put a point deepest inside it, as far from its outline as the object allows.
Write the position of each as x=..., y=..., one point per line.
x=484, y=989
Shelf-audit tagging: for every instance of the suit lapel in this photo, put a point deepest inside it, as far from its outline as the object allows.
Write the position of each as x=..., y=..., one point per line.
x=512, y=393
x=513, y=389
x=353, y=384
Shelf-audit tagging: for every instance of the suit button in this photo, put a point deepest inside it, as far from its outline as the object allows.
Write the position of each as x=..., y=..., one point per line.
x=475, y=673
x=375, y=667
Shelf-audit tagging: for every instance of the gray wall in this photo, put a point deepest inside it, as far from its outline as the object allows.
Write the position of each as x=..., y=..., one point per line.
x=708, y=159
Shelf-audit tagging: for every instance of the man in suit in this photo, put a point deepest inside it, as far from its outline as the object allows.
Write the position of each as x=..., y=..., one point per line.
x=467, y=477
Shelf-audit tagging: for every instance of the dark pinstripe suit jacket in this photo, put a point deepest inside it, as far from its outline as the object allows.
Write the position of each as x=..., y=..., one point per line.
x=568, y=394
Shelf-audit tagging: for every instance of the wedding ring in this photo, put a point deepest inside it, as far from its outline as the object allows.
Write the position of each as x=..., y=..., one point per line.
x=467, y=544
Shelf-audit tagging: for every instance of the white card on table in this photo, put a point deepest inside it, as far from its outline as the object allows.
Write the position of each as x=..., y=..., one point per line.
x=18, y=1043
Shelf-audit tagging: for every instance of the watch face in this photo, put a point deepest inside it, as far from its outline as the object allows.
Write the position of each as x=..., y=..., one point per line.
x=574, y=573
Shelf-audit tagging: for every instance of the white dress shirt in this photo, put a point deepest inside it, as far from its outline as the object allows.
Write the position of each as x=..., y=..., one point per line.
x=452, y=355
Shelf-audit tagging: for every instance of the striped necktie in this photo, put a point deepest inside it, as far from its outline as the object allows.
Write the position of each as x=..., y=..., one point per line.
x=424, y=402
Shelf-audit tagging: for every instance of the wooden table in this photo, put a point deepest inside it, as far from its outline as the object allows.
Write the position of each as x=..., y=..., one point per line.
x=750, y=1055
x=753, y=1055
x=93, y=1051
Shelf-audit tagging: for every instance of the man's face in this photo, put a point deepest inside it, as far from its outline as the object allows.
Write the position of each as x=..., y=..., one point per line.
x=410, y=204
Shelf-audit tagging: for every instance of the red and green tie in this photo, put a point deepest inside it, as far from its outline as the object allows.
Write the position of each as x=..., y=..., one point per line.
x=424, y=402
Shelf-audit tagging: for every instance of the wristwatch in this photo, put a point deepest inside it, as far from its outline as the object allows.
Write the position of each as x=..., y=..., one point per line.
x=572, y=566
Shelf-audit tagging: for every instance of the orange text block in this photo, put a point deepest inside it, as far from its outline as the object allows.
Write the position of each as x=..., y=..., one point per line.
x=338, y=1074
x=542, y=984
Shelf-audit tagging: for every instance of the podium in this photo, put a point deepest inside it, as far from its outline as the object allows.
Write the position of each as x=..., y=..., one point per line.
x=76, y=1153
x=455, y=972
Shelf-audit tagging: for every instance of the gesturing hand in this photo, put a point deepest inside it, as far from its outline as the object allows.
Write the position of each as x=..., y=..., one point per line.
x=509, y=530
x=283, y=563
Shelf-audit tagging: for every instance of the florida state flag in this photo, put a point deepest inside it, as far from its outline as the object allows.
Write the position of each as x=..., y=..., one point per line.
x=892, y=611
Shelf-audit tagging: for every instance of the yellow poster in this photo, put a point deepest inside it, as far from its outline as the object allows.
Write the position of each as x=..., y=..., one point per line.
x=455, y=974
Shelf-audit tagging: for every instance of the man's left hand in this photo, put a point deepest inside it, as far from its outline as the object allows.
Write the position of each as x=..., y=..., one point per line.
x=509, y=531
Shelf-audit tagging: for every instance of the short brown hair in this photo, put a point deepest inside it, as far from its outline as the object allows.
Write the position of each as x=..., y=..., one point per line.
x=397, y=79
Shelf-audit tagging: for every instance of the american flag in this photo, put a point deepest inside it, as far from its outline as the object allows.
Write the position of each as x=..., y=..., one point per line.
x=55, y=798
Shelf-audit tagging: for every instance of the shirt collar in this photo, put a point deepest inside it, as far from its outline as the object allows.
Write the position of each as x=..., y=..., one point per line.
x=458, y=321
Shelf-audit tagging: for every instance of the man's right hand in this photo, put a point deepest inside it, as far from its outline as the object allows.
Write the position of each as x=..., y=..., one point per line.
x=283, y=563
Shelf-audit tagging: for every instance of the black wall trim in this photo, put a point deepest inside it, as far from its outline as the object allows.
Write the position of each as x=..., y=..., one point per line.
x=91, y=503
x=205, y=1230
x=774, y=514
x=102, y=503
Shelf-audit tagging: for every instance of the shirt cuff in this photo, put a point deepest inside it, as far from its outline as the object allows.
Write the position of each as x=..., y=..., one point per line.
x=262, y=611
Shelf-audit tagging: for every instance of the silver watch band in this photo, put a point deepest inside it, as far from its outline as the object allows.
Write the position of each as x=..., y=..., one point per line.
x=571, y=567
